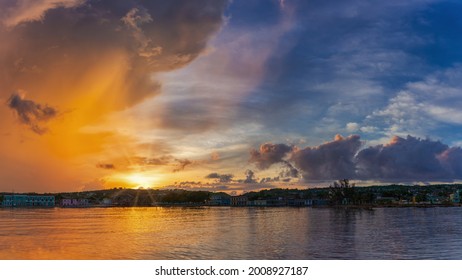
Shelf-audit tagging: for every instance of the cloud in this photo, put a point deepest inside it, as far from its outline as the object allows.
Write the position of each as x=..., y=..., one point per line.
x=214, y=156
x=352, y=126
x=182, y=163
x=163, y=160
x=128, y=164
x=31, y=113
x=451, y=161
x=250, y=177
x=222, y=178
x=333, y=159
x=356, y=52
x=329, y=160
x=421, y=107
x=270, y=180
x=401, y=159
x=404, y=113
x=104, y=51
x=134, y=20
x=197, y=186
x=20, y=11
x=213, y=176
x=289, y=171
x=269, y=154
x=105, y=165
x=136, y=17
x=410, y=158
x=210, y=92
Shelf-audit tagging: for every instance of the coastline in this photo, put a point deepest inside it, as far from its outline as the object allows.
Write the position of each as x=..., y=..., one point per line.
x=192, y=205
x=350, y=197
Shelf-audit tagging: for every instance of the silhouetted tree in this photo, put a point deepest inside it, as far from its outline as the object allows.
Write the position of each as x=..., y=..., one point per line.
x=341, y=192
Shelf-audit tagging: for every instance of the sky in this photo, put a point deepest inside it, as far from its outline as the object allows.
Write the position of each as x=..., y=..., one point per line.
x=228, y=95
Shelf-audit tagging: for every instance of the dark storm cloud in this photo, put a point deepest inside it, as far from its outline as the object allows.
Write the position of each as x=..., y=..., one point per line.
x=451, y=161
x=269, y=154
x=410, y=158
x=333, y=159
x=289, y=171
x=31, y=113
x=330, y=160
x=69, y=38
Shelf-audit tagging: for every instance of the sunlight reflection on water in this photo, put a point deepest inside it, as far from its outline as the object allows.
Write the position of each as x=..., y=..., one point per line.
x=230, y=233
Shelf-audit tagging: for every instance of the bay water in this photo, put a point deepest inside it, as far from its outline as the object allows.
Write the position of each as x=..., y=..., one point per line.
x=231, y=233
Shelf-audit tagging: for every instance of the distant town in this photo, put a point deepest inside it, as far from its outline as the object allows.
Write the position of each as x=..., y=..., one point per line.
x=339, y=194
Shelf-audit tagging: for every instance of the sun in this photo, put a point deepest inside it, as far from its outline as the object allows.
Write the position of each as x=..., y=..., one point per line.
x=141, y=180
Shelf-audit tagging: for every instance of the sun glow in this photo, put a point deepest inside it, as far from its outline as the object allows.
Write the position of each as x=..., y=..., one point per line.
x=142, y=180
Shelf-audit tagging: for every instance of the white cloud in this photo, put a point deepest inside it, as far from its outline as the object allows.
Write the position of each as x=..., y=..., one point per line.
x=352, y=127
x=424, y=105
x=445, y=114
x=368, y=129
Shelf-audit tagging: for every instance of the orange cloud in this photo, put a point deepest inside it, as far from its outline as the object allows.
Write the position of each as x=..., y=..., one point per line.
x=85, y=59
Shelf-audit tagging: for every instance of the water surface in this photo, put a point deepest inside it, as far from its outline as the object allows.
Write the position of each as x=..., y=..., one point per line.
x=231, y=233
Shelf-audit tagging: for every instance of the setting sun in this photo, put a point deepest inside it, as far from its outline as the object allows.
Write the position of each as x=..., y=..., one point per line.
x=141, y=180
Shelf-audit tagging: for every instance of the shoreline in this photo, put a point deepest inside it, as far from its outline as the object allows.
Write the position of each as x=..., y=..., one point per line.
x=345, y=207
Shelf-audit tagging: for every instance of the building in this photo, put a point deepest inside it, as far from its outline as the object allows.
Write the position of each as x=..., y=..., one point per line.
x=303, y=202
x=219, y=199
x=24, y=200
x=259, y=202
x=240, y=200
x=107, y=202
x=276, y=201
x=455, y=197
x=434, y=199
x=319, y=202
x=72, y=202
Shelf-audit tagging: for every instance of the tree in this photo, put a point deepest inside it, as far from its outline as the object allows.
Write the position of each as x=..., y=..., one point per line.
x=341, y=192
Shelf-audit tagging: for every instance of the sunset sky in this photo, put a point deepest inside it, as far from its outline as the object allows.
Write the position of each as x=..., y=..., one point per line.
x=228, y=95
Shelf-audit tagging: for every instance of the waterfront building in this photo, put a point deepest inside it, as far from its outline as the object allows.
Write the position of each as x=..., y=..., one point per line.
x=240, y=200
x=259, y=202
x=23, y=200
x=276, y=201
x=107, y=202
x=319, y=202
x=455, y=197
x=72, y=202
x=303, y=202
x=435, y=199
x=220, y=199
